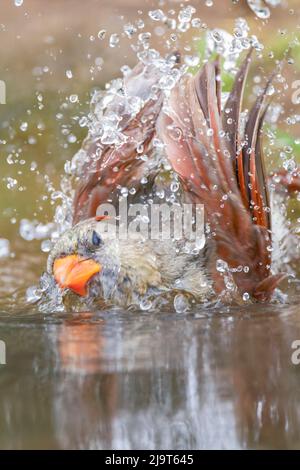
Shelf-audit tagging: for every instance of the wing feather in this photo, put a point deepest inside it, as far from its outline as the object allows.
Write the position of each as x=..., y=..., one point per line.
x=226, y=181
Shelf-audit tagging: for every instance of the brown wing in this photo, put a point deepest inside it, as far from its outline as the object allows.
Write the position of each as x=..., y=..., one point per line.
x=108, y=167
x=231, y=118
x=229, y=181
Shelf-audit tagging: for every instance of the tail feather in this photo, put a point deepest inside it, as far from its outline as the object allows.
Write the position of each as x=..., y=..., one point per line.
x=233, y=108
x=253, y=164
x=207, y=86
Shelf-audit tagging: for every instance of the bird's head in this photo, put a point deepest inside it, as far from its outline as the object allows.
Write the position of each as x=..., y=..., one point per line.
x=88, y=261
x=80, y=256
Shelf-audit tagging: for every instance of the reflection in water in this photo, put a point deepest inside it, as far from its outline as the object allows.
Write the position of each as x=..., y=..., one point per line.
x=266, y=382
x=131, y=380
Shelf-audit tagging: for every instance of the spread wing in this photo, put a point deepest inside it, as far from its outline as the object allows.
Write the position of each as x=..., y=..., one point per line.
x=107, y=167
x=227, y=177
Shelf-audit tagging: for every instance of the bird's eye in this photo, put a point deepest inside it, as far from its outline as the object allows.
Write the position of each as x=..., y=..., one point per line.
x=96, y=239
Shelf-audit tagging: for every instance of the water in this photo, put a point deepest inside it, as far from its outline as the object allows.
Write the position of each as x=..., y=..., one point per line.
x=219, y=377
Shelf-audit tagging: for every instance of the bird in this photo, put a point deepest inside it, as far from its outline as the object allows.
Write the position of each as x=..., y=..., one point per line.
x=214, y=153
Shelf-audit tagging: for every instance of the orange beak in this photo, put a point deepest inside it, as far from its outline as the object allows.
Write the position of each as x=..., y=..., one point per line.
x=74, y=272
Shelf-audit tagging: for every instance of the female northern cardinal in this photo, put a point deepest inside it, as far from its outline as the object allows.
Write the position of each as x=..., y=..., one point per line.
x=218, y=165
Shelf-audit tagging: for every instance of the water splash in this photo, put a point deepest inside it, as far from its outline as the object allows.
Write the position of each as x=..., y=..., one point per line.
x=231, y=46
x=258, y=7
x=4, y=248
x=119, y=101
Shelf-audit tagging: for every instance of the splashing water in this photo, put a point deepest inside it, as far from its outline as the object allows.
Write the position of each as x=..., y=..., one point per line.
x=260, y=9
x=117, y=102
x=4, y=248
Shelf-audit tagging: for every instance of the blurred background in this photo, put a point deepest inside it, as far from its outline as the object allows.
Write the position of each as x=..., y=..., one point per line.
x=54, y=54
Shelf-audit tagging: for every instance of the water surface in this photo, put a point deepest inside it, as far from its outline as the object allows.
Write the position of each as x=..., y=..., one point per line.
x=212, y=378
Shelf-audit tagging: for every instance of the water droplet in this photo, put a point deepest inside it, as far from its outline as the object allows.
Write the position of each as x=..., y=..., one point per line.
x=289, y=165
x=10, y=159
x=183, y=27
x=33, y=294
x=174, y=132
x=114, y=40
x=216, y=36
x=24, y=126
x=19, y=3
x=246, y=296
x=145, y=219
x=288, y=148
x=73, y=98
x=157, y=15
x=140, y=23
x=145, y=304
x=259, y=9
x=11, y=182
x=46, y=246
x=158, y=143
x=125, y=69
x=69, y=74
x=192, y=60
x=124, y=191
x=102, y=34
x=32, y=140
x=221, y=266
x=32, y=230
x=26, y=230
x=4, y=248
x=185, y=15
x=181, y=303
x=144, y=38
x=129, y=30
x=171, y=24
x=160, y=193
x=166, y=82
x=196, y=23
x=83, y=121
x=72, y=138
x=174, y=186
